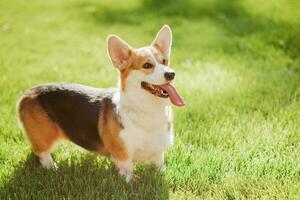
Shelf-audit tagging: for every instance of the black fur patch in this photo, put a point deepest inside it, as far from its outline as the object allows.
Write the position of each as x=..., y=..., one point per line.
x=75, y=108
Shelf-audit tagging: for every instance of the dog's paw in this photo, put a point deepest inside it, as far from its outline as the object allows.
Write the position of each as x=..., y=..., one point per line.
x=161, y=168
x=125, y=169
x=47, y=162
x=126, y=174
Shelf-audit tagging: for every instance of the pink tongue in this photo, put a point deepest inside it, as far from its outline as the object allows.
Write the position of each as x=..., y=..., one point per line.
x=175, y=98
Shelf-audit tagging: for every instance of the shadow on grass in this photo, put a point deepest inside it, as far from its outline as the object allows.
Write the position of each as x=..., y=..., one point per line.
x=88, y=179
x=229, y=16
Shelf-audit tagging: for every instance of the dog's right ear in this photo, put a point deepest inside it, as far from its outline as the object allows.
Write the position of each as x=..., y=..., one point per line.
x=119, y=52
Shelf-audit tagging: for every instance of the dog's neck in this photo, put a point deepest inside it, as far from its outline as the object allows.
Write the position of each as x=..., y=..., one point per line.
x=136, y=105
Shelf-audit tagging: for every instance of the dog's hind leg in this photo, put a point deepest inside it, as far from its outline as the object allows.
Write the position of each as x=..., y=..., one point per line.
x=40, y=130
x=125, y=168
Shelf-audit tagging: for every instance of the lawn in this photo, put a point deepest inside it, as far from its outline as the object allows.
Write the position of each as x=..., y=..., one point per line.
x=238, y=68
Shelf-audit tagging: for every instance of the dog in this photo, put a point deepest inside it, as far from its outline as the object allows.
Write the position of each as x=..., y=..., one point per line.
x=130, y=124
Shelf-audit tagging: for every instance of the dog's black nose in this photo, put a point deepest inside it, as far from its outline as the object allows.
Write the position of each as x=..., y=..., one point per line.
x=169, y=75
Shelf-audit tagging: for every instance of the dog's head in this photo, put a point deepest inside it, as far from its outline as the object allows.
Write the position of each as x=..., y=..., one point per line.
x=148, y=67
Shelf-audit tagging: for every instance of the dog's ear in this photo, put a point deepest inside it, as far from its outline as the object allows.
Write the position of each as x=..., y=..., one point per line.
x=119, y=52
x=163, y=40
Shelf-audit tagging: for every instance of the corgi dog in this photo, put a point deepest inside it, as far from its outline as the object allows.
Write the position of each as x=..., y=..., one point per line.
x=130, y=124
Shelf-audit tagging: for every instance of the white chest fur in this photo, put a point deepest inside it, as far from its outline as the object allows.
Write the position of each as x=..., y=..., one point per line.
x=147, y=126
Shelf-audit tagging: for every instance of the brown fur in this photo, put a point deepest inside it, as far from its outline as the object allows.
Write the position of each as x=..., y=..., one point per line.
x=40, y=130
x=110, y=127
x=124, y=74
x=43, y=133
x=137, y=59
x=140, y=58
x=160, y=57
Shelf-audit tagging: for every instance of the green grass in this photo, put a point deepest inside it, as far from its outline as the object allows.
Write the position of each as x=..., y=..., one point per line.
x=238, y=69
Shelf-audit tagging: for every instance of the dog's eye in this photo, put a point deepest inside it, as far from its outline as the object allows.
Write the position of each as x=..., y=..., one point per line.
x=164, y=61
x=147, y=65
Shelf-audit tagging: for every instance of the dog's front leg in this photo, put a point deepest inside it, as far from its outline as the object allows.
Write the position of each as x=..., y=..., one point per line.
x=158, y=161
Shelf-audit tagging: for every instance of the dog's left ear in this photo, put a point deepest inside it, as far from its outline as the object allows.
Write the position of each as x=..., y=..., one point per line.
x=163, y=40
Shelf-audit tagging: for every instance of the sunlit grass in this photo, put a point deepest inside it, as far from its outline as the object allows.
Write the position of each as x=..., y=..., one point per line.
x=237, y=66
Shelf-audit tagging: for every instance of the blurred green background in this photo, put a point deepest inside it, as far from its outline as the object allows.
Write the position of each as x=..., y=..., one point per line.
x=238, y=68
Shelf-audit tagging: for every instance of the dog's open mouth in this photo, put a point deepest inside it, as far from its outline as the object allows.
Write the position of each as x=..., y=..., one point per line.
x=164, y=91
x=155, y=89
